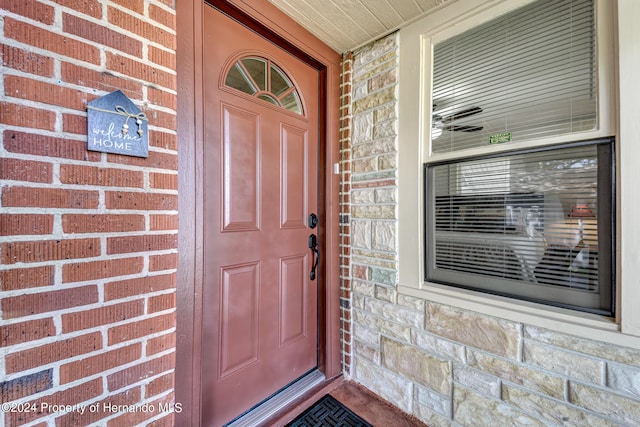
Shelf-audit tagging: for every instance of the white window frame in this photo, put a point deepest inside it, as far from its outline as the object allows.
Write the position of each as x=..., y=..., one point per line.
x=616, y=32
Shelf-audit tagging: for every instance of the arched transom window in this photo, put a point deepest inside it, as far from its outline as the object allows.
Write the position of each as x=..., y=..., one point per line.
x=263, y=79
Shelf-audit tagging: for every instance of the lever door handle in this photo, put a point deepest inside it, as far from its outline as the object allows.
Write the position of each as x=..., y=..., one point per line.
x=315, y=253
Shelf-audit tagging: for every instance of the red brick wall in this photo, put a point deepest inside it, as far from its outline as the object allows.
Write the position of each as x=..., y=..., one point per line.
x=87, y=240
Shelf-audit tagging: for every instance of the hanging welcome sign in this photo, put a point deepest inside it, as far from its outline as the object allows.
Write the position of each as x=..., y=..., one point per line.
x=117, y=126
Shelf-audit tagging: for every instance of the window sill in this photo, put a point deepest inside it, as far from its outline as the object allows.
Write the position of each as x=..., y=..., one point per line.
x=585, y=325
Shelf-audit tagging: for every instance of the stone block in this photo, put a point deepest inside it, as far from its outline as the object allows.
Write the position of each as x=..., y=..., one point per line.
x=430, y=417
x=411, y=302
x=363, y=196
x=382, y=276
x=495, y=335
x=479, y=381
x=394, y=312
x=362, y=128
x=387, y=161
x=386, y=129
x=385, y=195
x=469, y=408
x=384, y=326
x=555, y=411
x=381, y=146
x=624, y=378
x=361, y=233
x=386, y=293
x=620, y=408
x=624, y=355
x=371, y=354
x=381, y=80
x=360, y=89
x=384, y=235
x=363, y=288
x=365, y=165
x=374, y=211
x=417, y=365
x=366, y=336
x=515, y=372
x=394, y=388
x=374, y=100
x=387, y=112
x=436, y=402
x=570, y=364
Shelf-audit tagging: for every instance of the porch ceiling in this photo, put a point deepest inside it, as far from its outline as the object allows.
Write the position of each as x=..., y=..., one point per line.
x=346, y=25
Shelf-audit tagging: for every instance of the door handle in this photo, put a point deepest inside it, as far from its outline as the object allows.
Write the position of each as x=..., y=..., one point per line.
x=315, y=253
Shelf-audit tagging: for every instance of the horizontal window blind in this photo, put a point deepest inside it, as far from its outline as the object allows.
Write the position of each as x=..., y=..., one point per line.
x=530, y=73
x=525, y=224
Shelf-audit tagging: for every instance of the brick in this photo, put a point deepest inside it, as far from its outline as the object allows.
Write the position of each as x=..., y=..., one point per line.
x=144, y=243
x=138, y=286
x=45, y=197
x=102, y=80
x=31, y=330
x=43, y=302
x=27, y=385
x=91, y=8
x=53, y=352
x=49, y=250
x=70, y=396
x=105, y=315
x=28, y=117
x=141, y=328
x=160, y=385
x=26, y=278
x=162, y=119
x=155, y=160
x=163, y=58
x=25, y=224
x=144, y=29
x=108, y=177
x=83, y=271
x=102, y=223
x=27, y=62
x=38, y=91
x=139, y=70
x=162, y=98
x=102, y=35
x=73, y=123
x=164, y=181
x=77, y=418
x=134, y=5
x=161, y=303
x=140, y=201
x=31, y=9
x=163, y=262
x=26, y=170
x=163, y=16
x=140, y=372
x=134, y=418
x=104, y=361
x=47, y=40
x=168, y=141
x=160, y=344
x=48, y=146
x=163, y=222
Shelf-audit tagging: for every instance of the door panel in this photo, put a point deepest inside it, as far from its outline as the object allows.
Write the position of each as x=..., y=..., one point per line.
x=241, y=169
x=260, y=185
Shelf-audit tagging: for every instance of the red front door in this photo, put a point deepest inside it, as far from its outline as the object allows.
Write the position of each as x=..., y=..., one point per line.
x=260, y=185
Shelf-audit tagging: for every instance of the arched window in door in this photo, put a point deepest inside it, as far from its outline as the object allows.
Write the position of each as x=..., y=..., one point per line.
x=261, y=78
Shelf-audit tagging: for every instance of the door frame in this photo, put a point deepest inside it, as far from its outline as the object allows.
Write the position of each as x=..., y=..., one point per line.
x=265, y=19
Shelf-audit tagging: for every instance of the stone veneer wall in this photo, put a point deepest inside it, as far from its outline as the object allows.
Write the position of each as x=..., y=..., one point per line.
x=448, y=366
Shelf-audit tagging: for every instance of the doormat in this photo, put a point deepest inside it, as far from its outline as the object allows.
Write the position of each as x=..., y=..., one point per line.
x=328, y=412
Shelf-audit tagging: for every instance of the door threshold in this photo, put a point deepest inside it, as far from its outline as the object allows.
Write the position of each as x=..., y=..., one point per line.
x=278, y=402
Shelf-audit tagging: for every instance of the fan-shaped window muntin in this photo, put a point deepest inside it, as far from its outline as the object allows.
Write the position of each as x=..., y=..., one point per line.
x=262, y=79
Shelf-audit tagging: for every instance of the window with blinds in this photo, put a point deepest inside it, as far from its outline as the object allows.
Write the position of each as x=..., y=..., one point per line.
x=526, y=75
x=536, y=224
